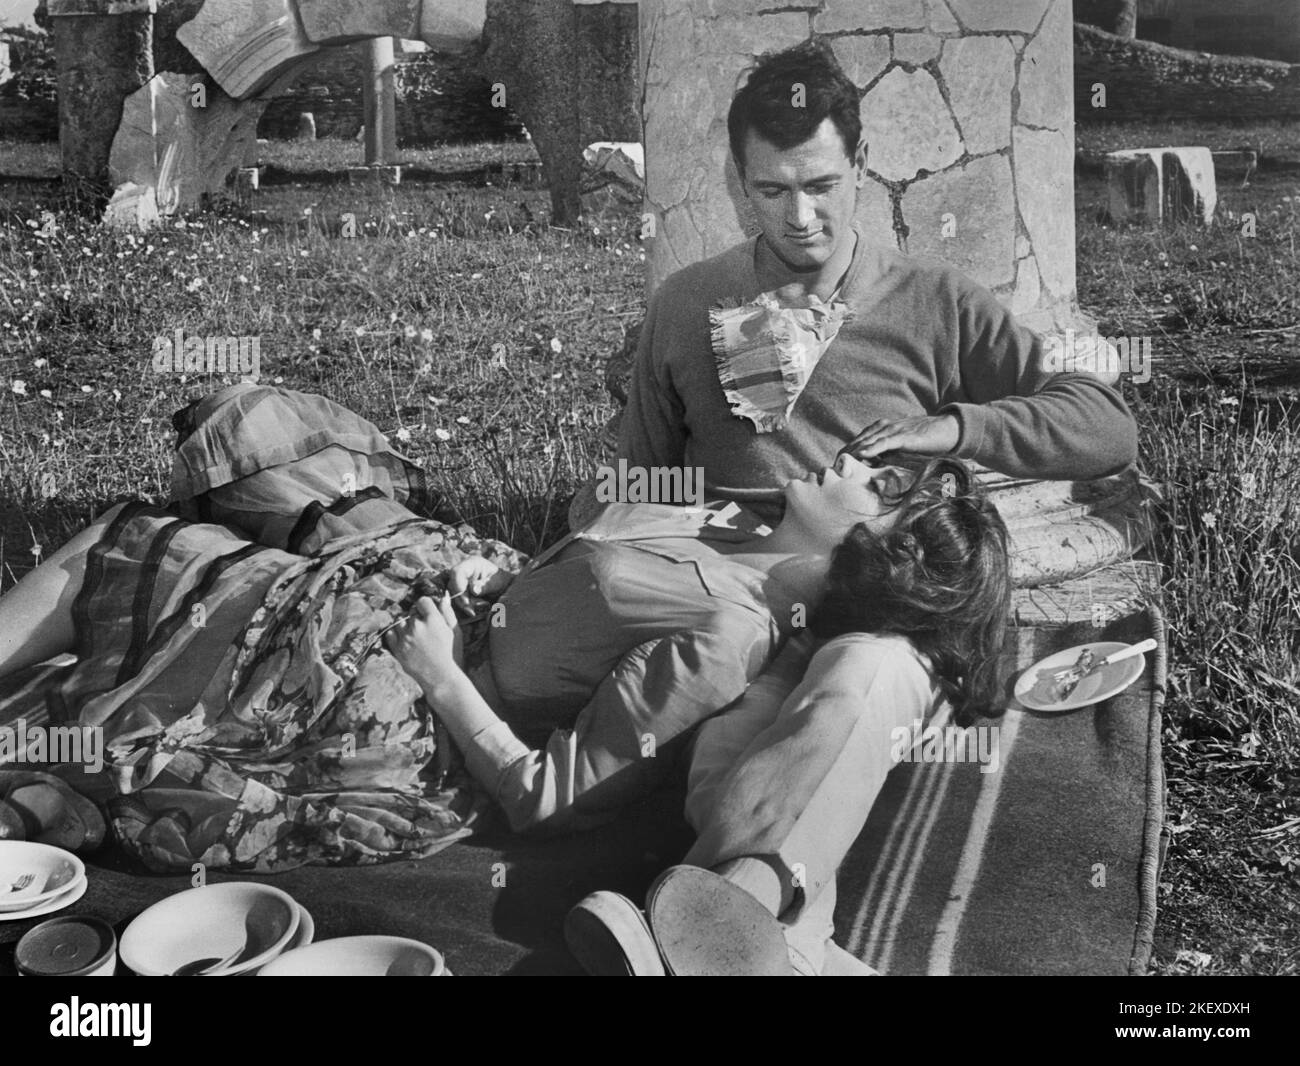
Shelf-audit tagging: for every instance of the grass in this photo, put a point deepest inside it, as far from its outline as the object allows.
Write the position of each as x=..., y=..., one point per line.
x=476, y=336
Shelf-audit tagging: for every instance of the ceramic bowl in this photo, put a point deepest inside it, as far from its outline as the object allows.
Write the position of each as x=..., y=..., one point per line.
x=212, y=922
x=359, y=956
x=52, y=871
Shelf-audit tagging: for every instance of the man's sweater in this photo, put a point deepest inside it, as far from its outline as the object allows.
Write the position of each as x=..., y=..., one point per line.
x=923, y=340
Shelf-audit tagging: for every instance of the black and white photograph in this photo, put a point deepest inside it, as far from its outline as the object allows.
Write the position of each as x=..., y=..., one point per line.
x=651, y=488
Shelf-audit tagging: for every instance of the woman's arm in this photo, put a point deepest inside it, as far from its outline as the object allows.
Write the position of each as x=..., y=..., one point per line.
x=618, y=748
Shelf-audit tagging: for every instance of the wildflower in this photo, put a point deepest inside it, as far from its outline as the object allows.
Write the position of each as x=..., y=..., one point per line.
x=315, y=334
x=426, y=335
x=46, y=394
x=1229, y=401
x=360, y=331
x=86, y=388
x=194, y=285
x=117, y=395
x=442, y=434
x=40, y=363
x=408, y=332
x=1210, y=521
x=19, y=387
x=462, y=420
x=556, y=346
x=404, y=435
x=1168, y=298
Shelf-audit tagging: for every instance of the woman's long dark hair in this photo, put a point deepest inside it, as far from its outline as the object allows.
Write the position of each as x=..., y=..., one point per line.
x=939, y=577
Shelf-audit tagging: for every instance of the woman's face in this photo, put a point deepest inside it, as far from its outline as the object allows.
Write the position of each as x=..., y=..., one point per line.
x=834, y=500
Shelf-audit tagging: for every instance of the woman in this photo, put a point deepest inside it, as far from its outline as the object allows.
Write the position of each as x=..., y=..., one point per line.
x=255, y=719
x=782, y=782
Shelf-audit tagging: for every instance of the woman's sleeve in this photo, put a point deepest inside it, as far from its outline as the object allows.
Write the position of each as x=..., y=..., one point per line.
x=626, y=737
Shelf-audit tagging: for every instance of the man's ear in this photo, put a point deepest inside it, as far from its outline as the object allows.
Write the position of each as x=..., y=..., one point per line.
x=860, y=163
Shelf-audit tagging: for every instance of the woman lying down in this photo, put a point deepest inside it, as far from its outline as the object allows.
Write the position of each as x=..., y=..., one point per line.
x=274, y=660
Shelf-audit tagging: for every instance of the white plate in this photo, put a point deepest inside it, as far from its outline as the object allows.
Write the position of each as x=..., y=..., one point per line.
x=48, y=866
x=49, y=906
x=1036, y=689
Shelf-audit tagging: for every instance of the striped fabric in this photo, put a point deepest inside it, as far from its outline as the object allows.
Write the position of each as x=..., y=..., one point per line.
x=766, y=351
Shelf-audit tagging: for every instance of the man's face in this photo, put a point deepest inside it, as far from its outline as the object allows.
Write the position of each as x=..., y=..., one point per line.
x=804, y=197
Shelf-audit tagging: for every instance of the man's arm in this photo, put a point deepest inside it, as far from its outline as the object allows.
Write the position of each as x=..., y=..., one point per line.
x=653, y=428
x=1023, y=419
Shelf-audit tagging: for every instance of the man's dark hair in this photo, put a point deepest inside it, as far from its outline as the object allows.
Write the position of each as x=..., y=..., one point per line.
x=766, y=103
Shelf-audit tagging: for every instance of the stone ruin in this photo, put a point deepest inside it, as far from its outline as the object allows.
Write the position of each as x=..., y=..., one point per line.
x=164, y=140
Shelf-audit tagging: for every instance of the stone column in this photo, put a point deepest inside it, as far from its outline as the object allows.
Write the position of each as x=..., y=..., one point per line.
x=104, y=52
x=967, y=108
x=379, y=102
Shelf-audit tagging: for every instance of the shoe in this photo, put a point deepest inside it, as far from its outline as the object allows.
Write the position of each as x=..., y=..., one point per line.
x=608, y=935
x=705, y=926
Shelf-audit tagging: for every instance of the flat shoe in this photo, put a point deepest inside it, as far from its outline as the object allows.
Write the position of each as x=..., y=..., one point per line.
x=608, y=935
x=706, y=926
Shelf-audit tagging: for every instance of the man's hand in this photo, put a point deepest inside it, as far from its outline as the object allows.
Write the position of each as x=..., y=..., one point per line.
x=474, y=582
x=922, y=435
x=429, y=644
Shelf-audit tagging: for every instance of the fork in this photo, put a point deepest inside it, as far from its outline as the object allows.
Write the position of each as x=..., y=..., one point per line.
x=1067, y=680
x=22, y=882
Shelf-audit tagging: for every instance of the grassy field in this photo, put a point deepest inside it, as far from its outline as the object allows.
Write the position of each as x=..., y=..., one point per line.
x=476, y=335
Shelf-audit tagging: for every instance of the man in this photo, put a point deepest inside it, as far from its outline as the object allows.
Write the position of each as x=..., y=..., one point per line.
x=921, y=359
x=756, y=365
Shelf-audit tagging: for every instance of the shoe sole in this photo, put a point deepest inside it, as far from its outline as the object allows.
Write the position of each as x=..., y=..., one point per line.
x=707, y=927
x=608, y=935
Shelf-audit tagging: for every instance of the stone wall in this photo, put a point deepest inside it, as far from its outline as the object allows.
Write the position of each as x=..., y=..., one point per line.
x=1264, y=29
x=1153, y=82
x=966, y=111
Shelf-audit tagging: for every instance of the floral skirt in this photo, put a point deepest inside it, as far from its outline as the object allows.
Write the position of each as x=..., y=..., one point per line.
x=251, y=716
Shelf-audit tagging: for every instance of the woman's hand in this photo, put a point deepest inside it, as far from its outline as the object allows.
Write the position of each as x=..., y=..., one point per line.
x=474, y=582
x=429, y=644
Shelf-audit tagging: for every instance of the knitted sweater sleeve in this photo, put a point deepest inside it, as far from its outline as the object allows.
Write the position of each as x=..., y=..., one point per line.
x=1020, y=418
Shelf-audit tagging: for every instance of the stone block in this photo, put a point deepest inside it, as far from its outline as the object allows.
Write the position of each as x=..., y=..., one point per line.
x=966, y=216
x=875, y=214
x=915, y=47
x=6, y=64
x=452, y=24
x=1134, y=186
x=1190, y=194
x=939, y=18
x=1045, y=195
x=248, y=179
x=1009, y=16
x=862, y=57
x=1028, y=286
x=1046, y=75
x=980, y=73
x=335, y=21
x=179, y=152
x=384, y=174
x=246, y=44
x=837, y=16
x=907, y=126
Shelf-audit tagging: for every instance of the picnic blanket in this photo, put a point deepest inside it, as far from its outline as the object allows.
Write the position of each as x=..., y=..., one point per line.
x=1047, y=866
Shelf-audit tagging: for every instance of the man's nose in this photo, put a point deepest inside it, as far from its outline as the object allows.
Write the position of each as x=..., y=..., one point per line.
x=800, y=211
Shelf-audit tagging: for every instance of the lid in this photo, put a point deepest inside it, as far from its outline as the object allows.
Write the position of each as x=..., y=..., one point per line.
x=65, y=947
